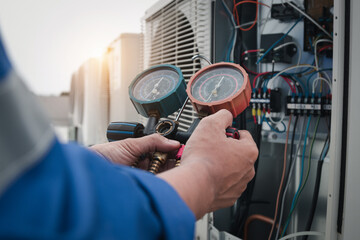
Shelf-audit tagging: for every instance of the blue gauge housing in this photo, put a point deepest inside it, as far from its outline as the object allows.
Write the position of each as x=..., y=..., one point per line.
x=171, y=99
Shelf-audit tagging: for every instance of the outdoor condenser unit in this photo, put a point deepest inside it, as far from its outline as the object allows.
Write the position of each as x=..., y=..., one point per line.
x=175, y=31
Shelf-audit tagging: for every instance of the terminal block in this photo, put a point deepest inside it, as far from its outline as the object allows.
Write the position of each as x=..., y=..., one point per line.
x=316, y=105
x=268, y=101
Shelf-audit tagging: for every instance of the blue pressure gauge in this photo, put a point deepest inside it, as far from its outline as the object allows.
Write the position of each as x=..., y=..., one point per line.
x=159, y=91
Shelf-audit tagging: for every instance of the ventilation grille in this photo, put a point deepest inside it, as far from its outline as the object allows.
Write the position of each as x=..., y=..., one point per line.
x=175, y=33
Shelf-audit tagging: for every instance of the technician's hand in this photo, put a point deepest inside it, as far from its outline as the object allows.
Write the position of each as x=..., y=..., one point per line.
x=214, y=170
x=127, y=151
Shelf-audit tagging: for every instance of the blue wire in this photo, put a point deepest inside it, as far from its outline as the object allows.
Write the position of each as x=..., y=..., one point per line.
x=301, y=172
x=278, y=41
x=275, y=130
x=262, y=119
x=325, y=150
x=311, y=44
x=234, y=32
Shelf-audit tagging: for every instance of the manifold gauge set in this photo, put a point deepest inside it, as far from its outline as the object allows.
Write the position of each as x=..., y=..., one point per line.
x=161, y=90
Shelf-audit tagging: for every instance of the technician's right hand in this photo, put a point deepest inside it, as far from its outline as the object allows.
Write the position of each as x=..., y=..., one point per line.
x=215, y=170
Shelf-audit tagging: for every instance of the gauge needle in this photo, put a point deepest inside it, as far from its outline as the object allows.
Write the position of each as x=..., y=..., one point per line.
x=154, y=90
x=214, y=91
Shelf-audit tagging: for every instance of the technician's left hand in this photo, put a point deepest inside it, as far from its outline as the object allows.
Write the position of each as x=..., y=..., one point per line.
x=127, y=151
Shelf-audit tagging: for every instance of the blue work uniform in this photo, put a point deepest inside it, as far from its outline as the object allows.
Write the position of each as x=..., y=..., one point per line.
x=50, y=190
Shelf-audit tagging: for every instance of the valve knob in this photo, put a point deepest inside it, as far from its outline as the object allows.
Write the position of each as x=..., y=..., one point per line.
x=232, y=133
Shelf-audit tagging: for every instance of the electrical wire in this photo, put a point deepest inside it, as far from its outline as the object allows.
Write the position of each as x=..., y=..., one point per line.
x=236, y=13
x=268, y=17
x=257, y=76
x=315, y=52
x=309, y=18
x=315, y=72
x=309, y=165
x=291, y=43
x=305, y=233
x=278, y=41
x=282, y=178
x=242, y=58
x=324, y=48
x=232, y=46
x=256, y=14
x=274, y=129
x=307, y=174
x=300, y=85
x=316, y=186
x=291, y=68
x=277, y=122
x=253, y=218
x=250, y=23
x=301, y=174
x=290, y=172
x=320, y=79
x=252, y=1
x=287, y=80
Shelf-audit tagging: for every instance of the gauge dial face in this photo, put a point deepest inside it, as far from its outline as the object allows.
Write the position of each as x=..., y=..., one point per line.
x=217, y=84
x=155, y=85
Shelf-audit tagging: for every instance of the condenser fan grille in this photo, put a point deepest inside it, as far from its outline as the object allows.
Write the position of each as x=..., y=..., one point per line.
x=175, y=33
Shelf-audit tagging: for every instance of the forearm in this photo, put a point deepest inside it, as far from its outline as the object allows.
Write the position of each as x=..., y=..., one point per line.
x=194, y=185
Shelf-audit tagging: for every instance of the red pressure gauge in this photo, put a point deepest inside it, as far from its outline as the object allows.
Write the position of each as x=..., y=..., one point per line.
x=220, y=86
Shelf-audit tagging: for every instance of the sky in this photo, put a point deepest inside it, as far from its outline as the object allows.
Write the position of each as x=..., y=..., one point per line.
x=47, y=40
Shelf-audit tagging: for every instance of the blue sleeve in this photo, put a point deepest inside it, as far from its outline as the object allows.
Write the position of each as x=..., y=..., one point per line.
x=5, y=65
x=74, y=194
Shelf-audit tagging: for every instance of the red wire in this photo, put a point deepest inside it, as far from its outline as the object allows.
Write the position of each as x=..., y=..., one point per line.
x=325, y=47
x=241, y=60
x=288, y=81
x=257, y=76
x=256, y=14
x=248, y=70
x=250, y=51
x=292, y=88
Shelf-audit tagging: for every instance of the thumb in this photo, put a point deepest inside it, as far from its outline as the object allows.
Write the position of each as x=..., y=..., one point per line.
x=154, y=143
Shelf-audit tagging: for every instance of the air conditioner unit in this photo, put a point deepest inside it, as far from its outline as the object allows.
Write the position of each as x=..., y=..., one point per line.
x=175, y=31
x=90, y=101
x=124, y=64
x=77, y=104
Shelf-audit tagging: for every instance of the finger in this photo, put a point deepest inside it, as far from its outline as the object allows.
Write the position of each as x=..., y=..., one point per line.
x=223, y=117
x=245, y=134
x=156, y=142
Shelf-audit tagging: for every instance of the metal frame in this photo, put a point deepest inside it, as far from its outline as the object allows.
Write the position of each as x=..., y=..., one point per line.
x=351, y=212
x=336, y=120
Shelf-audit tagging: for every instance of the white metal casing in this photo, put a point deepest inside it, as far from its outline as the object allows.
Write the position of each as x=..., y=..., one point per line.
x=124, y=64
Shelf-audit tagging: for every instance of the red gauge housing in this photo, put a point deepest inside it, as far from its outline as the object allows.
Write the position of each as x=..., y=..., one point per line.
x=236, y=103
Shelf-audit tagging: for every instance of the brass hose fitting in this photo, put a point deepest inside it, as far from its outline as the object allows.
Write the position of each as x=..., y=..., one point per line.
x=141, y=158
x=159, y=159
x=178, y=162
